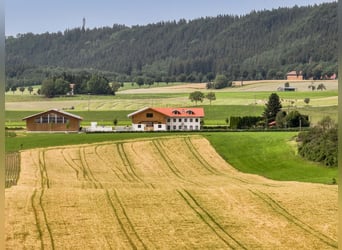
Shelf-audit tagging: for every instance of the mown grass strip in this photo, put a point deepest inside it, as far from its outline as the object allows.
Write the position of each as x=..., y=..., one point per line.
x=12, y=169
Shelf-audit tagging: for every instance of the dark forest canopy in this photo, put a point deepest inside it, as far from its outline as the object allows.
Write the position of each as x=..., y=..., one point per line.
x=261, y=45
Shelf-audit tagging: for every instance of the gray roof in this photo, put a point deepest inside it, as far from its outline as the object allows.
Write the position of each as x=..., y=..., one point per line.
x=55, y=110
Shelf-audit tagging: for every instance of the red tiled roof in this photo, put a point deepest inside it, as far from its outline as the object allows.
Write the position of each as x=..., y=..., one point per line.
x=181, y=112
x=174, y=112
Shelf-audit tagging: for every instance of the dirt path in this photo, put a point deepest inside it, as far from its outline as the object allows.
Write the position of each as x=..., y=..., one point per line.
x=160, y=193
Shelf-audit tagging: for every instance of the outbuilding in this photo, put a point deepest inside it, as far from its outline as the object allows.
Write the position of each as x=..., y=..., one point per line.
x=53, y=120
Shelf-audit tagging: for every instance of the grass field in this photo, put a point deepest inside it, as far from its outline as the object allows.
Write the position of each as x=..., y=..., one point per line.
x=162, y=193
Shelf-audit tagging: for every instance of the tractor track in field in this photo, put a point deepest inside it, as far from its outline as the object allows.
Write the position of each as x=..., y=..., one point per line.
x=70, y=163
x=125, y=223
x=209, y=220
x=128, y=165
x=43, y=172
x=87, y=171
x=199, y=158
x=40, y=226
x=108, y=165
x=161, y=150
x=276, y=207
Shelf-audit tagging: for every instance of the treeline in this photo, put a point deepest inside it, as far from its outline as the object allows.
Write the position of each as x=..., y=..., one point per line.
x=260, y=45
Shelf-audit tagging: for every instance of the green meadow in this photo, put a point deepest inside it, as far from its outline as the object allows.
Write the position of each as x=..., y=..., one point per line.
x=270, y=154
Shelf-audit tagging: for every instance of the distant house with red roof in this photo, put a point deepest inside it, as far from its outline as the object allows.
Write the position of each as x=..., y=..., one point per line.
x=293, y=75
x=167, y=119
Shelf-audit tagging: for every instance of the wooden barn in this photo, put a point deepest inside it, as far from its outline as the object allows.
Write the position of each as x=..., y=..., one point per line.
x=53, y=120
x=167, y=119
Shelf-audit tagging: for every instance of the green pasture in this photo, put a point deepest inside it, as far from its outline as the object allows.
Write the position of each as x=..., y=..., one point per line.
x=214, y=114
x=269, y=154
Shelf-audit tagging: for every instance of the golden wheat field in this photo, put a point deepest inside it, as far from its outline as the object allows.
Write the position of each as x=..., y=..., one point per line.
x=170, y=193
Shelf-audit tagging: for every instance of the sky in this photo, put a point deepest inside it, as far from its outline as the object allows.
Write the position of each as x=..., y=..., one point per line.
x=40, y=16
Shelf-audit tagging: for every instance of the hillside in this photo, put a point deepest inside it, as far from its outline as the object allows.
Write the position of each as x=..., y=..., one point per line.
x=178, y=194
x=260, y=45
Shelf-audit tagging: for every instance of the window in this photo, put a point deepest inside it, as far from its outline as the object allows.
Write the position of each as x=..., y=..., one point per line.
x=149, y=115
x=174, y=120
x=174, y=127
x=190, y=112
x=168, y=120
x=185, y=120
x=159, y=126
x=185, y=127
x=139, y=126
x=196, y=120
x=190, y=119
x=176, y=112
x=179, y=127
x=180, y=120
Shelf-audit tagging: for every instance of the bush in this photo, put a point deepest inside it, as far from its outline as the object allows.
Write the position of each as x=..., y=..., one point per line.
x=319, y=144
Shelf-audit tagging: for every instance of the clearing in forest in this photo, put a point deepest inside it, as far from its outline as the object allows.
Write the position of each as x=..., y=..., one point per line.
x=163, y=193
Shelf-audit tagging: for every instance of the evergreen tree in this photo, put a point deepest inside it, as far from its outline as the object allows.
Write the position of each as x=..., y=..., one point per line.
x=273, y=106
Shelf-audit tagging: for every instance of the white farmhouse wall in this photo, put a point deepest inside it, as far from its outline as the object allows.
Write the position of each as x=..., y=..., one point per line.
x=184, y=123
x=138, y=127
x=159, y=127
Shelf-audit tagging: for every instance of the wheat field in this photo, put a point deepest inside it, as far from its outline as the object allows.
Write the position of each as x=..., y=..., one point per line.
x=170, y=193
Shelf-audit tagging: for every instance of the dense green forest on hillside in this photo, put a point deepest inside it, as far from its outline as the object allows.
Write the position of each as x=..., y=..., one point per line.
x=260, y=45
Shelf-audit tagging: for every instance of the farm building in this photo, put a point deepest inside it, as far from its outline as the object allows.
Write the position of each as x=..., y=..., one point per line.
x=167, y=119
x=294, y=76
x=53, y=120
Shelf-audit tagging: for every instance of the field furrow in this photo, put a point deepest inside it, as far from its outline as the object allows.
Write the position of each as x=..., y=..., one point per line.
x=305, y=227
x=160, y=193
x=205, y=216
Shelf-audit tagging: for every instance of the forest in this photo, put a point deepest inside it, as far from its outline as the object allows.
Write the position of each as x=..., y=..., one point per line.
x=260, y=45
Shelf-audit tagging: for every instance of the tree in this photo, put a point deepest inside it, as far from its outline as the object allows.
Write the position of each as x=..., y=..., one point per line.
x=22, y=89
x=196, y=96
x=30, y=89
x=98, y=85
x=115, y=87
x=307, y=100
x=140, y=81
x=115, y=121
x=273, y=106
x=312, y=87
x=48, y=88
x=221, y=81
x=13, y=89
x=321, y=87
x=211, y=97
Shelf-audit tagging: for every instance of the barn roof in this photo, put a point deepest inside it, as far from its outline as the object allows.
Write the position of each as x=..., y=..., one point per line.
x=56, y=111
x=174, y=112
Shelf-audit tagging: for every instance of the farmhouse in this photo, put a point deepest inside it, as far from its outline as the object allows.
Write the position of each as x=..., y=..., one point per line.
x=53, y=120
x=167, y=119
x=294, y=76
